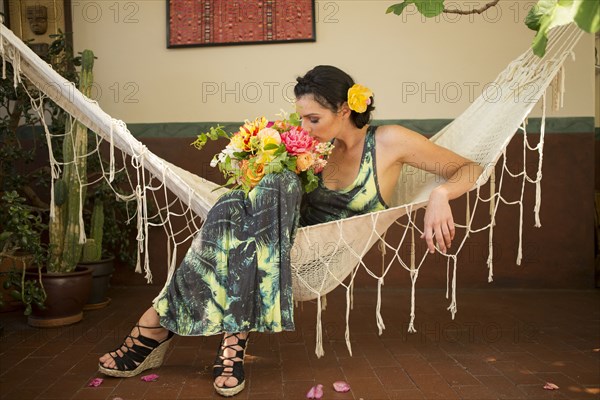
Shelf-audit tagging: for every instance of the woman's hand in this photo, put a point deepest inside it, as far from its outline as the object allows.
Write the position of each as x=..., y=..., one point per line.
x=438, y=221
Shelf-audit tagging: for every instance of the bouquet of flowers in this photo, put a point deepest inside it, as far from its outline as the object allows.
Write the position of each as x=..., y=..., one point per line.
x=262, y=147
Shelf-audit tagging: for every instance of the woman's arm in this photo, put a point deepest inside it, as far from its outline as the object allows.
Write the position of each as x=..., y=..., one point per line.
x=460, y=174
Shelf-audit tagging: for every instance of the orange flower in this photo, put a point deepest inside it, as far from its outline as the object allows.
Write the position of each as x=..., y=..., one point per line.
x=304, y=161
x=254, y=175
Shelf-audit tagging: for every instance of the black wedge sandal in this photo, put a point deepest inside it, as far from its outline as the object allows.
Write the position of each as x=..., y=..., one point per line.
x=149, y=353
x=236, y=370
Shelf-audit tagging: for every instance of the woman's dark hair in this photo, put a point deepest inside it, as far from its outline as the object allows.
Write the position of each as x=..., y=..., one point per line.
x=329, y=86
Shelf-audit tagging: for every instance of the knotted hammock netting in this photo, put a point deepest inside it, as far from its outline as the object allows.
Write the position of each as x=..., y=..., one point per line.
x=327, y=255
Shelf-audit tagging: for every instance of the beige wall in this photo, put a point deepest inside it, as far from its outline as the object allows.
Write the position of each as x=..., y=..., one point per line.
x=140, y=80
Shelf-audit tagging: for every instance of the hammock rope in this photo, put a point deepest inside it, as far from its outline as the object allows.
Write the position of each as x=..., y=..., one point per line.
x=329, y=255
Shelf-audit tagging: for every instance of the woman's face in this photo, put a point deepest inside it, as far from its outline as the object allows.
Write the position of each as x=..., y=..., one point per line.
x=320, y=122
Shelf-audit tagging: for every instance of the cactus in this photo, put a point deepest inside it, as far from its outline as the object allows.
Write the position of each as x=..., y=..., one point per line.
x=92, y=249
x=65, y=245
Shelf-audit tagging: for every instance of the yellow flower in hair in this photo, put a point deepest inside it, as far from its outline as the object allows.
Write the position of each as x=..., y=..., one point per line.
x=359, y=97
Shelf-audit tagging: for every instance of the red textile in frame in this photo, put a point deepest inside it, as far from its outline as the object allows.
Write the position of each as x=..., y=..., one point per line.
x=221, y=22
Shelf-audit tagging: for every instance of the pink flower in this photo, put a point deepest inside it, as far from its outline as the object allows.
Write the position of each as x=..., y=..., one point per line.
x=341, y=386
x=319, y=165
x=150, y=378
x=95, y=382
x=550, y=386
x=297, y=141
x=315, y=392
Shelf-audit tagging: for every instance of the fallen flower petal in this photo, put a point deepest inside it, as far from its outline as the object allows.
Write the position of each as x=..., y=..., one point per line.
x=341, y=386
x=150, y=378
x=95, y=382
x=315, y=392
x=550, y=386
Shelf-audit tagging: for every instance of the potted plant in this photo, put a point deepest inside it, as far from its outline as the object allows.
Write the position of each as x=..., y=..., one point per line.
x=92, y=257
x=64, y=250
x=20, y=247
x=68, y=285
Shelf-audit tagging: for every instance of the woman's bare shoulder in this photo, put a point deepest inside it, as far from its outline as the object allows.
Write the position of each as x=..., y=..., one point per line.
x=397, y=136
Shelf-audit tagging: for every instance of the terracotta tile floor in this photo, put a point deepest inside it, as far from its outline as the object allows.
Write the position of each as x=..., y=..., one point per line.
x=503, y=344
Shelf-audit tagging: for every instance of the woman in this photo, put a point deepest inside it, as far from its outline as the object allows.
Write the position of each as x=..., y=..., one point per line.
x=229, y=284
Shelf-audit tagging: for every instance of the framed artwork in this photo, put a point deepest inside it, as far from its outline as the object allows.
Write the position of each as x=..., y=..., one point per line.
x=35, y=20
x=234, y=22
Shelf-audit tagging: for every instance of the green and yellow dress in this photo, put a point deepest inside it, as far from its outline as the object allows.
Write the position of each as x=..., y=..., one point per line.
x=236, y=276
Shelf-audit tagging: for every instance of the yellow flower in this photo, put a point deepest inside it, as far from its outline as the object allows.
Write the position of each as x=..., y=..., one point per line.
x=269, y=136
x=359, y=97
x=304, y=161
x=241, y=141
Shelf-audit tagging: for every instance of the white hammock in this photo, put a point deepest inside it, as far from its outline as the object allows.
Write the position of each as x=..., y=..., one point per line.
x=328, y=255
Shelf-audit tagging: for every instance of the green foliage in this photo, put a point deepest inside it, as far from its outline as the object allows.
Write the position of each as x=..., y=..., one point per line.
x=214, y=133
x=27, y=291
x=547, y=14
x=428, y=8
x=21, y=228
x=543, y=16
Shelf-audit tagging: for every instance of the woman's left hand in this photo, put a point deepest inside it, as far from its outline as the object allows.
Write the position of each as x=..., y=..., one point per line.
x=438, y=221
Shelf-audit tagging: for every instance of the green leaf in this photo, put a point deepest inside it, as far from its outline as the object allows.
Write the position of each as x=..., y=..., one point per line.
x=587, y=15
x=240, y=155
x=550, y=16
x=537, y=12
x=271, y=146
x=430, y=8
x=398, y=8
x=213, y=134
x=294, y=119
x=311, y=181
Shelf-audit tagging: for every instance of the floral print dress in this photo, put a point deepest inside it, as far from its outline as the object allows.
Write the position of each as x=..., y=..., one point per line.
x=236, y=276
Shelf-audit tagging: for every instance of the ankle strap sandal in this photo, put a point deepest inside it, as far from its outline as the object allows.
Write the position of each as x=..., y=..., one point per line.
x=143, y=353
x=235, y=370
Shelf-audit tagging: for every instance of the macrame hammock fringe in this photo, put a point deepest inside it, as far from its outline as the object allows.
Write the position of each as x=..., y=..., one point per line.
x=328, y=255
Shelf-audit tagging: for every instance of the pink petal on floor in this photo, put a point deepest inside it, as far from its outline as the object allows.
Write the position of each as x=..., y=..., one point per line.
x=341, y=386
x=315, y=392
x=150, y=378
x=550, y=386
x=96, y=382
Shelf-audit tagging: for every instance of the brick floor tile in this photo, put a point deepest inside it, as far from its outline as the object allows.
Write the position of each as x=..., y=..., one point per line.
x=478, y=392
x=297, y=373
x=356, y=367
x=433, y=386
x=415, y=364
x=297, y=389
x=502, y=387
x=454, y=373
x=262, y=382
x=411, y=394
x=516, y=373
x=197, y=389
x=537, y=392
x=62, y=386
x=93, y=393
x=502, y=345
x=131, y=389
x=367, y=389
x=394, y=378
x=20, y=392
